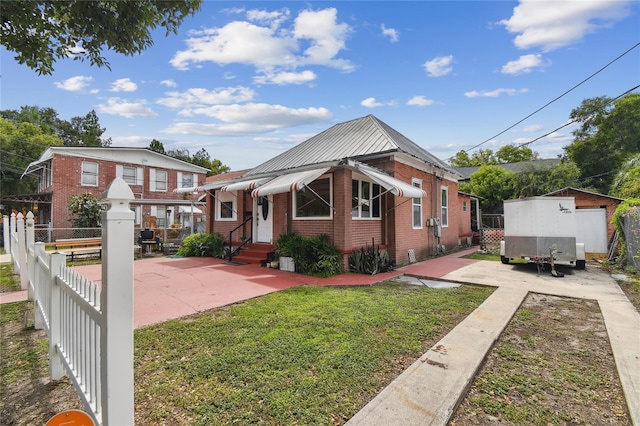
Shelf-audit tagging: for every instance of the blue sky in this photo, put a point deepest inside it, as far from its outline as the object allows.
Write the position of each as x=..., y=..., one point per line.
x=249, y=80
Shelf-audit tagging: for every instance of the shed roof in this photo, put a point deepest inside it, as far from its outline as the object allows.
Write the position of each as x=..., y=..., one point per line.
x=568, y=189
x=358, y=138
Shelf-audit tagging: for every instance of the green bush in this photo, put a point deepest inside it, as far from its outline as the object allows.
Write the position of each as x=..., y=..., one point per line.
x=370, y=260
x=316, y=256
x=204, y=245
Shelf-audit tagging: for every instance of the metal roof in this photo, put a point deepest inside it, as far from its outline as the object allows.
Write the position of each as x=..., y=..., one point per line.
x=362, y=137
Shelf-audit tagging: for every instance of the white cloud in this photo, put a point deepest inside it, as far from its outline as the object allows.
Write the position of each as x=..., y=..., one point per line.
x=272, y=19
x=439, y=66
x=524, y=64
x=494, y=93
x=533, y=128
x=553, y=24
x=74, y=84
x=198, y=97
x=420, y=101
x=123, y=85
x=267, y=45
x=391, y=33
x=127, y=109
x=249, y=118
x=169, y=83
x=371, y=103
x=285, y=78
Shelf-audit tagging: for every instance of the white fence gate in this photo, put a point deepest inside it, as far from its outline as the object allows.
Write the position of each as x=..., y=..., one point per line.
x=90, y=329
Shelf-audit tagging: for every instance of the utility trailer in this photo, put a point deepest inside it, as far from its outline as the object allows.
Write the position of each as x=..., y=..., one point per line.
x=542, y=230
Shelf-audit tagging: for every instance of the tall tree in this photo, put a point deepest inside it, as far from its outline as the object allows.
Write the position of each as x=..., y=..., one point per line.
x=494, y=184
x=42, y=31
x=484, y=157
x=532, y=181
x=626, y=184
x=608, y=135
x=515, y=154
x=157, y=146
x=20, y=144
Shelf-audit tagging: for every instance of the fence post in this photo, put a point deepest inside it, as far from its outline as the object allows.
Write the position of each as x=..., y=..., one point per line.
x=38, y=280
x=116, y=302
x=22, y=252
x=56, y=262
x=6, y=235
x=30, y=251
x=14, y=243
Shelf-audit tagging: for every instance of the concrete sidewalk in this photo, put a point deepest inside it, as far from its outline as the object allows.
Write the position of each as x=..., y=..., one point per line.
x=428, y=392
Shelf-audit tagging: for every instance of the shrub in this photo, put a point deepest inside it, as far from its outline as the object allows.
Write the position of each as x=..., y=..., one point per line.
x=203, y=245
x=316, y=256
x=370, y=260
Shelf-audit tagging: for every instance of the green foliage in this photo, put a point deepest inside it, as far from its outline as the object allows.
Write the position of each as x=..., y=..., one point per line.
x=626, y=184
x=494, y=184
x=532, y=181
x=485, y=157
x=316, y=256
x=200, y=158
x=40, y=32
x=203, y=245
x=86, y=210
x=157, y=146
x=607, y=137
x=370, y=260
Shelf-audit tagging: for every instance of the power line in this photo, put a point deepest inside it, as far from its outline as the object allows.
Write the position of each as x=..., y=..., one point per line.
x=552, y=101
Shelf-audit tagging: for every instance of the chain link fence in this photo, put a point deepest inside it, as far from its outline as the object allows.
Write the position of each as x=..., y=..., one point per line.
x=631, y=230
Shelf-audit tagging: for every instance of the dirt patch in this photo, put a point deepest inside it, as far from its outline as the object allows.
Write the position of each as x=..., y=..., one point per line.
x=552, y=365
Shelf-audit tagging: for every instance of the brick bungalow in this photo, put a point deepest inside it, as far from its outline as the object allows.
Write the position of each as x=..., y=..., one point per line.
x=361, y=182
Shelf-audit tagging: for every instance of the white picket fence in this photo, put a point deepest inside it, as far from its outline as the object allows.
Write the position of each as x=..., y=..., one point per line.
x=90, y=329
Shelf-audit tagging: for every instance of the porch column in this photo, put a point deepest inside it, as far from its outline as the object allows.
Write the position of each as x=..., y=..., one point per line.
x=342, y=212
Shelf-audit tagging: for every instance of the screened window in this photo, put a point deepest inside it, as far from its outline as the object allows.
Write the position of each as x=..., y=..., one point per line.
x=314, y=201
x=187, y=180
x=161, y=180
x=129, y=175
x=444, y=219
x=417, y=206
x=89, y=173
x=226, y=209
x=365, y=199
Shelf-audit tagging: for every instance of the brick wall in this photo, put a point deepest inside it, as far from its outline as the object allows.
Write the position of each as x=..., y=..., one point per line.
x=67, y=175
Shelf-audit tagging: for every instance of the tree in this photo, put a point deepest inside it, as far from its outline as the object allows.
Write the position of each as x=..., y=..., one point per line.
x=86, y=210
x=217, y=168
x=626, y=184
x=201, y=158
x=493, y=183
x=483, y=157
x=608, y=135
x=532, y=181
x=21, y=144
x=157, y=146
x=41, y=31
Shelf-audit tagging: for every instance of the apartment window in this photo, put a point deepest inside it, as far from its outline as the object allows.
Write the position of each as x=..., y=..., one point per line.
x=187, y=180
x=89, y=174
x=444, y=203
x=365, y=199
x=158, y=180
x=129, y=175
x=314, y=201
x=225, y=206
x=417, y=206
x=161, y=217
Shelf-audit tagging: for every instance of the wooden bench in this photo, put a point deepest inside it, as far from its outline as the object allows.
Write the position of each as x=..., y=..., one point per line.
x=78, y=246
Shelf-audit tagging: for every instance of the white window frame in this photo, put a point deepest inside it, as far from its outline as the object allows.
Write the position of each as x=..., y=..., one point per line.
x=138, y=178
x=154, y=180
x=356, y=213
x=89, y=173
x=225, y=197
x=444, y=206
x=416, y=202
x=330, y=206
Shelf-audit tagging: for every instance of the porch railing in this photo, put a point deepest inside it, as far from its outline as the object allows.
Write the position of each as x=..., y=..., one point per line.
x=232, y=251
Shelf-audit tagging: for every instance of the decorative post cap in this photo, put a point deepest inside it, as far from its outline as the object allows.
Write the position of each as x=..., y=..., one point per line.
x=118, y=193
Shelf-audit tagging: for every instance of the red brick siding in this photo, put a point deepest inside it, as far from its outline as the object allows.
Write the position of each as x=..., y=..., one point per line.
x=67, y=176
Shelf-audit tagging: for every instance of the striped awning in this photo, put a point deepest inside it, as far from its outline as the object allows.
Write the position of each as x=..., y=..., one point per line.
x=393, y=185
x=212, y=185
x=243, y=185
x=289, y=182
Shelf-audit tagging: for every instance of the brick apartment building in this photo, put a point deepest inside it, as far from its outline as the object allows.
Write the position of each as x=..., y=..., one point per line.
x=66, y=171
x=361, y=182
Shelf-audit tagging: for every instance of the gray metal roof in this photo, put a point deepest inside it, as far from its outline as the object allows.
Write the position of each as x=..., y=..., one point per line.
x=357, y=138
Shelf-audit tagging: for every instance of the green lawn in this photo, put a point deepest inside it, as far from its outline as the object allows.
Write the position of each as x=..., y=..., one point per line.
x=308, y=355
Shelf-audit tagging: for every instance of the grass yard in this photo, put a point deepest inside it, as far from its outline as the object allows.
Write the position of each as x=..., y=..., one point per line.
x=308, y=355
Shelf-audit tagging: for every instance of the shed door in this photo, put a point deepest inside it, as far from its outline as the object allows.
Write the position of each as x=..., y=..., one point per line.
x=591, y=229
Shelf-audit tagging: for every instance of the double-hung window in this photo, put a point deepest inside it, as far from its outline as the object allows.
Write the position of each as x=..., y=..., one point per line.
x=314, y=201
x=158, y=180
x=129, y=175
x=417, y=206
x=89, y=174
x=444, y=204
x=365, y=199
x=225, y=206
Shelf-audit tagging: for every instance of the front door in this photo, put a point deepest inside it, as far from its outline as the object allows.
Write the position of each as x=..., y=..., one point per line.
x=263, y=219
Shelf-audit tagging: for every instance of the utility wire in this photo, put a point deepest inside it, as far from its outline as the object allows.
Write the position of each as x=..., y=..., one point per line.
x=552, y=101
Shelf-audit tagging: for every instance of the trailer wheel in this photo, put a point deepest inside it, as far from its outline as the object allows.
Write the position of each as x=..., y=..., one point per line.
x=581, y=264
x=504, y=260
